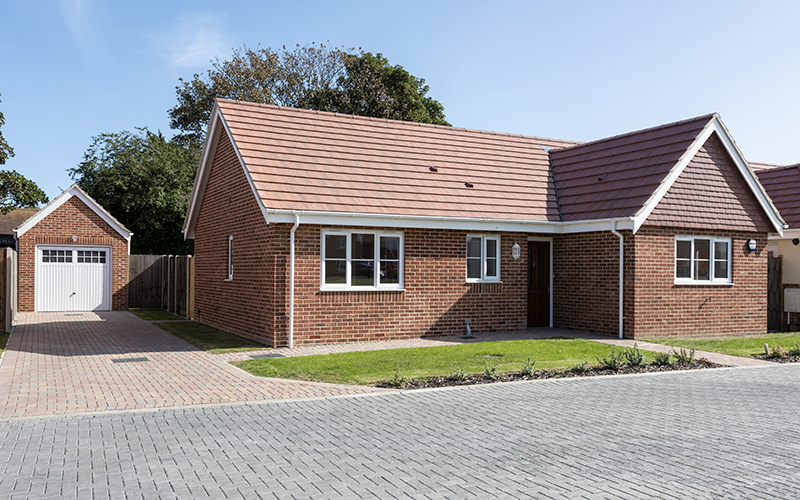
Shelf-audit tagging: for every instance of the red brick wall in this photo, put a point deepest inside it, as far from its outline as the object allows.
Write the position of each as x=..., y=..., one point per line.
x=243, y=305
x=586, y=281
x=73, y=218
x=711, y=194
x=664, y=309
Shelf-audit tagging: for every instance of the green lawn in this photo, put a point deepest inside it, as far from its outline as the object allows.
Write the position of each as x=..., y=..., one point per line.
x=155, y=314
x=745, y=347
x=210, y=339
x=3, y=342
x=369, y=367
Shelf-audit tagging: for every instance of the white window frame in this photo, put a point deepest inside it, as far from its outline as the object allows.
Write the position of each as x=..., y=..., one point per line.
x=713, y=279
x=230, y=259
x=485, y=239
x=348, y=259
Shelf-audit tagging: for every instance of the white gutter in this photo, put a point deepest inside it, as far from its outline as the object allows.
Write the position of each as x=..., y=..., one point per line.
x=291, y=279
x=621, y=271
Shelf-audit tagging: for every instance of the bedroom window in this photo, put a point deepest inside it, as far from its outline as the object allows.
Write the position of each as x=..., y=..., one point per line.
x=700, y=260
x=483, y=258
x=362, y=260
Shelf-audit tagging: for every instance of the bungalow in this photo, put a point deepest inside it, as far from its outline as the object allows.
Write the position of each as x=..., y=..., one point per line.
x=314, y=227
x=783, y=185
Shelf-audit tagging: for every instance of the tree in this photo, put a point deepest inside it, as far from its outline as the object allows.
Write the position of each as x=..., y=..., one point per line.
x=18, y=192
x=6, y=151
x=311, y=77
x=373, y=87
x=144, y=181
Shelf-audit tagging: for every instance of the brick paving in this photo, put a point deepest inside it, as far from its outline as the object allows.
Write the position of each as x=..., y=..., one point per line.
x=60, y=363
x=707, y=434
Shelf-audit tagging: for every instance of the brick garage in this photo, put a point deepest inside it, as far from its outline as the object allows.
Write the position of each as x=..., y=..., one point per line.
x=461, y=206
x=74, y=221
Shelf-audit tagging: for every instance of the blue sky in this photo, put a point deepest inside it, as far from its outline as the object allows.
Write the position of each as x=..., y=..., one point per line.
x=73, y=69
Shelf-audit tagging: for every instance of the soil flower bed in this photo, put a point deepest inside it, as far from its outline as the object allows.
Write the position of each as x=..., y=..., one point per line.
x=580, y=371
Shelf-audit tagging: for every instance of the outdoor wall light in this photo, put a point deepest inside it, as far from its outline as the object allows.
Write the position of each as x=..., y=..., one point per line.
x=515, y=251
x=751, y=245
x=795, y=242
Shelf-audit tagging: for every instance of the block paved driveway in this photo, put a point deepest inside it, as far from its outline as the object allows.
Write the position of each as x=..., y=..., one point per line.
x=726, y=433
x=59, y=363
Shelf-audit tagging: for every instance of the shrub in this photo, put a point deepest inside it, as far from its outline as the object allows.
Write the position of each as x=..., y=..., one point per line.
x=683, y=356
x=527, y=368
x=459, y=374
x=491, y=373
x=581, y=367
x=662, y=359
x=611, y=362
x=634, y=357
x=398, y=381
x=777, y=352
x=794, y=351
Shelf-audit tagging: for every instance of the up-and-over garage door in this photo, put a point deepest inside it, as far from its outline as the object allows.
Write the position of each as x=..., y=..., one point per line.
x=70, y=278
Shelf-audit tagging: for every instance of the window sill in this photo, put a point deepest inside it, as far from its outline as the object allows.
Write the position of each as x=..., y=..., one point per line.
x=470, y=282
x=361, y=289
x=704, y=283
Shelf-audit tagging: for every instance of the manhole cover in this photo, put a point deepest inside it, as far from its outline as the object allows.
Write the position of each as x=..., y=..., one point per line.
x=129, y=360
x=267, y=356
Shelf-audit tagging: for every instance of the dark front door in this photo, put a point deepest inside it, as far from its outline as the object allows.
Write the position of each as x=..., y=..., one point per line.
x=538, y=283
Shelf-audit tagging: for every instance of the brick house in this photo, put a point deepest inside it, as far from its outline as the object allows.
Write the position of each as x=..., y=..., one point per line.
x=315, y=227
x=72, y=256
x=782, y=183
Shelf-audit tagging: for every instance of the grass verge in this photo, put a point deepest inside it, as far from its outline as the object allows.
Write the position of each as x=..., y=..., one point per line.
x=210, y=339
x=155, y=314
x=746, y=347
x=370, y=367
x=3, y=342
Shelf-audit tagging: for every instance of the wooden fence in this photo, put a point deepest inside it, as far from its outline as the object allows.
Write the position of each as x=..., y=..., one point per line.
x=8, y=288
x=162, y=282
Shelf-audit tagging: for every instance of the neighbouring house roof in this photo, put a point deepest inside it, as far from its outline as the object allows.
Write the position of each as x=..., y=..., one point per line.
x=14, y=218
x=783, y=186
x=73, y=191
x=368, y=171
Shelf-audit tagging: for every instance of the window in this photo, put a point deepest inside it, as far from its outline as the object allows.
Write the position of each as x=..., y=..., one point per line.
x=91, y=257
x=483, y=258
x=702, y=260
x=230, y=259
x=362, y=260
x=56, y=255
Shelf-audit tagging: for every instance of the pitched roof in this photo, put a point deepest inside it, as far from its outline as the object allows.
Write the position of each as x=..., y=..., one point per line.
x=348, y=170
x=615, y=177
x=318, y=161
x=783, y=186
x=14, y=218
x=59, y=200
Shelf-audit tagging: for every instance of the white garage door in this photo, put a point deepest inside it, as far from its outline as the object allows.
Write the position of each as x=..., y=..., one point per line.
x=73, y=278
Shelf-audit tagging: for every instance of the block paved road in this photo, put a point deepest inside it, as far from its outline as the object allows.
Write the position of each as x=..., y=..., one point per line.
x=727, y=433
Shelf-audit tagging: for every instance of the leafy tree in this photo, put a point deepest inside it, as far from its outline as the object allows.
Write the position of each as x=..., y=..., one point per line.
x=144, y=181
x=6, y=151
x=311, y=77
x=18, y=192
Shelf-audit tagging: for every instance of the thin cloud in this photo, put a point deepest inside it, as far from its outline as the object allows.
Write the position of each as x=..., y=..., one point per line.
x=78, y=16
x=194, y=40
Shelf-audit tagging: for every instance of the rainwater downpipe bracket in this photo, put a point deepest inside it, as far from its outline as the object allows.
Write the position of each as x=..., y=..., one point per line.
x=291, y=279
x=621, y=272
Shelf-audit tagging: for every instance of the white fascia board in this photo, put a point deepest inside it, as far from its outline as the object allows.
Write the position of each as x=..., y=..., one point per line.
x=672, y=176
x=788, y=234
x=201, y=178
x=73, y=191
x=714, y=125
x=454, y=223
x=749, y=176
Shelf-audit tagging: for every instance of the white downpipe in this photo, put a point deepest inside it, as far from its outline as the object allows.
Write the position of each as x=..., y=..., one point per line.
x=291, y=279
x=621, y=270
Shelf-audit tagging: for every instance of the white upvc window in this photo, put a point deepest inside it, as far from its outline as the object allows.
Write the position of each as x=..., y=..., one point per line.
x=483, y=258
x=361, y=260
x=701, y=260
x=230, y=259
